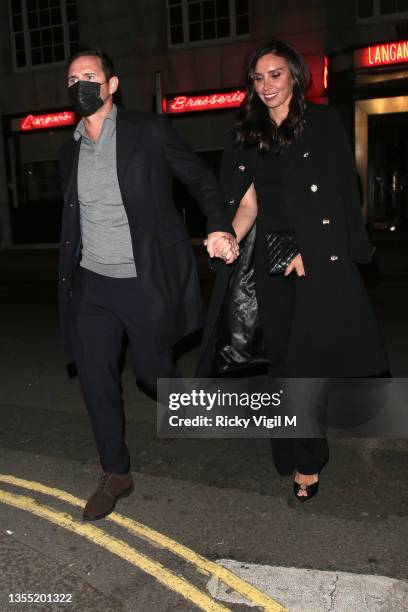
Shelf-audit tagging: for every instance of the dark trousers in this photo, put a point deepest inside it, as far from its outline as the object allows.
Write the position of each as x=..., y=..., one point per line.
x=276, y=297
x=104, y=311
x=306, y=455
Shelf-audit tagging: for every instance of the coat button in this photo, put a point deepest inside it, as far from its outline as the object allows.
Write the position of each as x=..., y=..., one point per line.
x=231, y=201
x=242, y=168
x=63, y=279
x=325, y=221
x=71, y=205
x=67, y=242
x=306, y=154
x=333, y=257
x=313, y=188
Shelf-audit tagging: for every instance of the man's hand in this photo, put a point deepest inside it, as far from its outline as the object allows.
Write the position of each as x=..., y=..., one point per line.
x=222, y=245
x=296, y=264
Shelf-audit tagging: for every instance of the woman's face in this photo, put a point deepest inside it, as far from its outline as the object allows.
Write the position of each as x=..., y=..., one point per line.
x=273, y=83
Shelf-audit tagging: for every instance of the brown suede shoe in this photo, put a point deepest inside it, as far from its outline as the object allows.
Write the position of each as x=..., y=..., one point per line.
x=111, y=487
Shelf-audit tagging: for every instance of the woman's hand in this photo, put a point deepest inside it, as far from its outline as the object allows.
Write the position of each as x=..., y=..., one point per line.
x=296, y=264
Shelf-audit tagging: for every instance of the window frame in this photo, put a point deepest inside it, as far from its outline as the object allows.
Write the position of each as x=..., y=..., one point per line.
x=205, y=42
x=378, y=17
x=29, y=67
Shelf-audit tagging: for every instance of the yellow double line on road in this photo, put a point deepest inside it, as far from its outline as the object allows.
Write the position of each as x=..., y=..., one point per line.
x=123, y=550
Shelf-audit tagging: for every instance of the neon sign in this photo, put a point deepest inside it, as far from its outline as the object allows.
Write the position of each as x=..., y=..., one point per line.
x=204, y=102
x=326, y=72
x=51, y=120
x=381, y=55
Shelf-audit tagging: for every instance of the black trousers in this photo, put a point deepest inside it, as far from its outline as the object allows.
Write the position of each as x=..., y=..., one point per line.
x=276, y=297
x=104, y=311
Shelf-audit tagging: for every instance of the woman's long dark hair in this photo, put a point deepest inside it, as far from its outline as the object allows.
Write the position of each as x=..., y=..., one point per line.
x=254, y=126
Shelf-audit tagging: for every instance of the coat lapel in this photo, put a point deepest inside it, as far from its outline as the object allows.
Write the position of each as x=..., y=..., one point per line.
x=71, y=172
x=127, y=142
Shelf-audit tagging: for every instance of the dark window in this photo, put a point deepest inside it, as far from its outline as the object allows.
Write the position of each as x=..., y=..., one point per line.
x=44, y=18
x=365, y=8
x=388, y=6
x=15, y=6
x=223, y=9
x=195, y=20
x=209, y=29
x=47, y=55
x=59, y=52
x=176, y=34
x=195, y=31
x=209, y=9
x=36, y=57
x=46, y=37
x=19, y=42
x=35, y=38
x=176, y=15
x=20, y=59
x=58, y=35
x=32, y=20
x=45, y=31
x=17, y=23
x=242, y=24
x=369, y=9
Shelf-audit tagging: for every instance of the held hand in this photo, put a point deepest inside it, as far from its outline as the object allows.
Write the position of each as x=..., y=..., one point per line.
x=223, y=245
x=225, y=249
x=296, y=264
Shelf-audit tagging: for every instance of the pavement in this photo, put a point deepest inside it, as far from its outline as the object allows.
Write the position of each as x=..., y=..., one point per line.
x=210, y=525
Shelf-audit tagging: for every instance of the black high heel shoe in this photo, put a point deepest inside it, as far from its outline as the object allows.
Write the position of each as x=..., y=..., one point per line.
x=311, y=490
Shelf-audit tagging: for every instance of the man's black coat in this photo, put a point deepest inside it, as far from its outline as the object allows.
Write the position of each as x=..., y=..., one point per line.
x=333, y=320
x=149, y=152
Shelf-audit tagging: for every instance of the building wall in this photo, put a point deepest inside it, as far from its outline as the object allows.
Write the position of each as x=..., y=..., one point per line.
x=135, y=35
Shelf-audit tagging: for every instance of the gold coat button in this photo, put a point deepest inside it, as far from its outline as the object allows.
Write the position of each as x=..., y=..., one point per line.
x=313, y=188
x=333, y=257
x=325, y=221
x=306, y=154
x=242, y=168
x=231, y=201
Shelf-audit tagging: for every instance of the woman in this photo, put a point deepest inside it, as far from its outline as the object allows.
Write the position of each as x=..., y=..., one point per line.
x=288, y=166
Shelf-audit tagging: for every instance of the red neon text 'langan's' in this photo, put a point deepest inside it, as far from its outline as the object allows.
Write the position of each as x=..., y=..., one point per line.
x=383, y=54
x=35, y=122
x=188, y=104
x=388, y=54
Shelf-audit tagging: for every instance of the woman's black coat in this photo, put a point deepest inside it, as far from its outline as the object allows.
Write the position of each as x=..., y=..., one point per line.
x=332, y=320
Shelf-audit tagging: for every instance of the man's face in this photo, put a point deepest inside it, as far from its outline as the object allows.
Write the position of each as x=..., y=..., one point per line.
x=89, y=68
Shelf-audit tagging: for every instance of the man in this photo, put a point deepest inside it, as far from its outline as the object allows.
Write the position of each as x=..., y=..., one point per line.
x=126, y=264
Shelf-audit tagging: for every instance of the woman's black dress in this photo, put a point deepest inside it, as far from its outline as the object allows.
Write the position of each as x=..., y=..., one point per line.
x=276, y=296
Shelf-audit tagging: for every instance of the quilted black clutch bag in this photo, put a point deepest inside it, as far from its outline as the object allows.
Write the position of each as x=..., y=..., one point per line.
x=281, y=249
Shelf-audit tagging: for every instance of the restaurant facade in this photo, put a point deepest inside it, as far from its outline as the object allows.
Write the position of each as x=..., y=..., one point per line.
x=189, y=65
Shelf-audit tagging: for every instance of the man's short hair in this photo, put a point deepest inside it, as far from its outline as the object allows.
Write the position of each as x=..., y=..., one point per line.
x=106, y=61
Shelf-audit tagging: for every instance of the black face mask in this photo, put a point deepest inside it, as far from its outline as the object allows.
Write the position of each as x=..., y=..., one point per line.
x=85, y=97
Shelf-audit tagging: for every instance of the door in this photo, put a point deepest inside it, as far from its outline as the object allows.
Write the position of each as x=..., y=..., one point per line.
x=36, y=193
x=388, y=171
